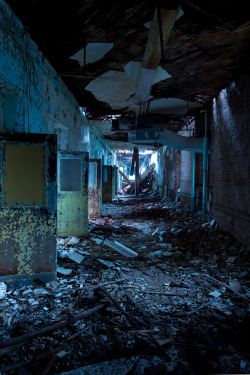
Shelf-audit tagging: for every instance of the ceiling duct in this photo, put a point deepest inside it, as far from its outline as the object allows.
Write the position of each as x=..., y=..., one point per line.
x=167, y=138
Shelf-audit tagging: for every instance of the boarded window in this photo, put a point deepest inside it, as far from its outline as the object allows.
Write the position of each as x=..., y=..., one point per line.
x=24, y=174
x=70, y=175
x=105, y=174
x=92, y=175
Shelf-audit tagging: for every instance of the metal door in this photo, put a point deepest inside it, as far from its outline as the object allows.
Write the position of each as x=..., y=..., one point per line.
x=95, y=187
x=27, y=207
x=107, y=185
x=72, y=200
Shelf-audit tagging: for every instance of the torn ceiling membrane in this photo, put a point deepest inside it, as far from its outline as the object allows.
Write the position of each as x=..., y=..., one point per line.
x=113, y=87
x=133, y=69
x=118, y=88
x=94, y=52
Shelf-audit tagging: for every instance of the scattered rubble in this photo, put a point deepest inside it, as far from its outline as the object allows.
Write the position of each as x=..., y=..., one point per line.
x=179, y=306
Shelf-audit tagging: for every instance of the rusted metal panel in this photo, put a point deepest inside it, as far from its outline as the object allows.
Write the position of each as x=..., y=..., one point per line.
x=72, y=200
x=28, y=228
x=95, y=188
x=107, y=173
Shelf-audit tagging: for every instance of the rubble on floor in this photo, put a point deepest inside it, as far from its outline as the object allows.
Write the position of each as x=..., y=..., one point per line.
x=148, y=183
x=180, y=306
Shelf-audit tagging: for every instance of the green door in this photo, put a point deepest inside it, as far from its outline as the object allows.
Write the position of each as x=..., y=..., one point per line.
x=72, y=202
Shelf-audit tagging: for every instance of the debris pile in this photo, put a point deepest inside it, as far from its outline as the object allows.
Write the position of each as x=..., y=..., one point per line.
x=175, y=302
x=148, y=183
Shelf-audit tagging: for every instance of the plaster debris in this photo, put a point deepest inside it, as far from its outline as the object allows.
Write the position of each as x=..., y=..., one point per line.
x=72, y=241
x=78, y=258
x=215, y=294
x=40, y=292
x=106, y=263
x=64, y=271
x=230, y=259
x=121, y=248
x=97, y=240
x=3, y=289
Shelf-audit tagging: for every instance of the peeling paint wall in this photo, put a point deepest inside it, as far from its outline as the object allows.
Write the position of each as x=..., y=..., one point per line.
x=98, y=147
x=33, y=97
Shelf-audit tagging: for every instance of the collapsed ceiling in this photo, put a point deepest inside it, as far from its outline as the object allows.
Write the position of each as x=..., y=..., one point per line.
x=98, y=48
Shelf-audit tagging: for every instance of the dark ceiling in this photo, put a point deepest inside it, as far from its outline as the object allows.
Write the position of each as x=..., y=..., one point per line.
x=208, y=46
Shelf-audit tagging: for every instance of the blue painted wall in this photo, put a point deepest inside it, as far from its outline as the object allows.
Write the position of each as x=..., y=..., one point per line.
x=33, y=98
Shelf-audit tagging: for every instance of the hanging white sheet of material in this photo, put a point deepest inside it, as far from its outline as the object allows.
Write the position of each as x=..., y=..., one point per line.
x=158, y=37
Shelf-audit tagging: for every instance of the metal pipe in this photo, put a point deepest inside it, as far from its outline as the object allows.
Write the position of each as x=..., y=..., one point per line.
x=193, y=182
x=205, y=154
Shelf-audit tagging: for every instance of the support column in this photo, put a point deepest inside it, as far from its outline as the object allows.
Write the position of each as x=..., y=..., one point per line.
x=137, y=174
x=193, y=182
x=205, y=152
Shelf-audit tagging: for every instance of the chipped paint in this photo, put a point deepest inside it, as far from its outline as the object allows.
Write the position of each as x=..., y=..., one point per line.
x=28, y=230
x=95, y=192
x=28, y=241
x=72, y=206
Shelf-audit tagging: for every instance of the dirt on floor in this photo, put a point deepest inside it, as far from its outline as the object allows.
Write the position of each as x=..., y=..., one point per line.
x=178, y=303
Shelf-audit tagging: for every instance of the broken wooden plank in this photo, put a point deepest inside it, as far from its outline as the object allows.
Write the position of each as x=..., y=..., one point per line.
x=48, y=329
x=199, y=308
x=162, y=293
x=206, y=337
x=242, y=296
x=124, y=250
x=139, y=307
x=131, y=319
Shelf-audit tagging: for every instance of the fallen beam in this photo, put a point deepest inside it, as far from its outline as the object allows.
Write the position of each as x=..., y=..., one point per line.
x=125, y=178
x=134, y=323
x=132, y=164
